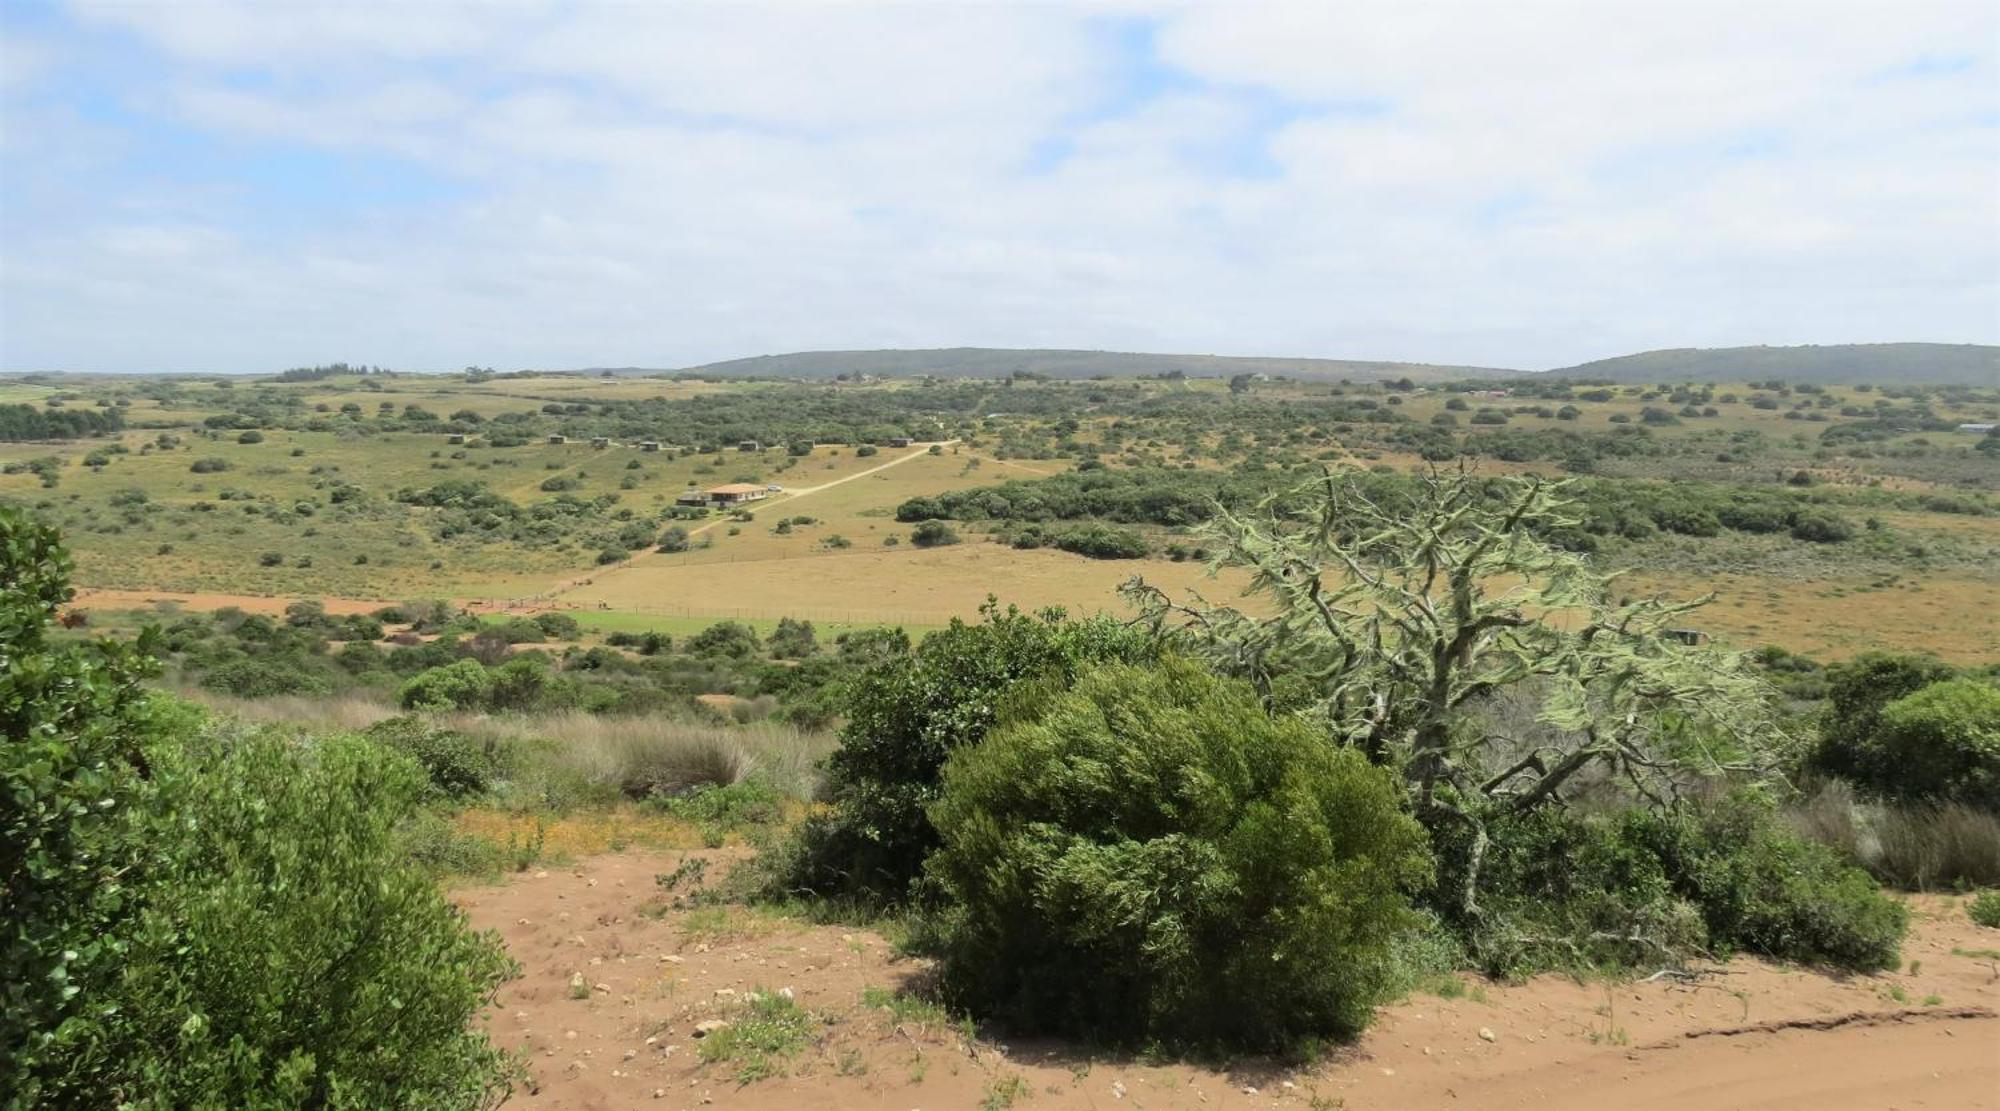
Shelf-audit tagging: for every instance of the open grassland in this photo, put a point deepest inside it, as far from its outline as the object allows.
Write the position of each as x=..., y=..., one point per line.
x=314, y=503
x=891, y=586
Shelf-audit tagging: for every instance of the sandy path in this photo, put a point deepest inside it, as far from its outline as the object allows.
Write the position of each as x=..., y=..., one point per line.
x=1750, y=1036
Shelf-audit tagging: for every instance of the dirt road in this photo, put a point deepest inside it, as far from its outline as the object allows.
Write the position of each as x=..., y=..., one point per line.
x=785, y=498
x=1748, y=1035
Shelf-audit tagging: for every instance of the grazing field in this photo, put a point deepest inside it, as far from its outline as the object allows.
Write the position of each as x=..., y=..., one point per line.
x=362, y=488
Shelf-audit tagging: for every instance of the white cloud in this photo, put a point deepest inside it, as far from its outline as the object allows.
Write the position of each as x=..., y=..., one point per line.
x=1516, y=184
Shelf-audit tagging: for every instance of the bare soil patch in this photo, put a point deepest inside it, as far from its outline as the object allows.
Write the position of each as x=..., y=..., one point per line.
x=614, y=985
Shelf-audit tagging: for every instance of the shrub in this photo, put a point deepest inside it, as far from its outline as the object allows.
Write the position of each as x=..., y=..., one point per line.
x=1821, y=527
x=460, y=685
x=905, y=715
x=289, y=956
x=263, y=677
x=1942, y=742
x=74, y=722
x=1763, y=888
x=674, y=539
x=1152, y=858
x=728, y=639
x=1568, y=890
x=933, y=534
x=1985, y=909
x=457, y=765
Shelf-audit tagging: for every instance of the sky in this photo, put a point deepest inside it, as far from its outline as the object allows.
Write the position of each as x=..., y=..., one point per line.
x=248, y=185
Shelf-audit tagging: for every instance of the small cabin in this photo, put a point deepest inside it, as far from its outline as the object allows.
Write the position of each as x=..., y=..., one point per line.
x=749, y=445
x=735, y=493
x=558, y=439
x=649, y=445
x=1691, y=637
x=692, y=497
x=455, y=438
x=899, y=441
x=600, y=441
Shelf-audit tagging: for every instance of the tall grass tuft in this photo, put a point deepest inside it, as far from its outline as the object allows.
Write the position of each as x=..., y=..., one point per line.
x=346, y=713
x=648, y=756
x=1920, y=847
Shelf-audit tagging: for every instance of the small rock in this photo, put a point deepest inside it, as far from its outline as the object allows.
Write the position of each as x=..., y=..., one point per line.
x=1249, y=1091
x=541, y=875
x=725, y=993
x=785, y=992
x=1117, y=1090
x=659, y=1093
x=709, y=1026
x=1486, y=1034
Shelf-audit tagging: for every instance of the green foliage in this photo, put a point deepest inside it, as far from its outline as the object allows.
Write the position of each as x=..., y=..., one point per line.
x=728, y=806
x=456, y=765
x=1985, y=909
x=906, y=714
x=792, y=640
x=1906, y=728
x=1943, y=742
x=1384, y=624
x=463, y=684
x=761, y=1038
x=74, y=721
x=1568, y=890
x=287, y=955
x=933, y=534
x=1152, y=858
x=204, y=921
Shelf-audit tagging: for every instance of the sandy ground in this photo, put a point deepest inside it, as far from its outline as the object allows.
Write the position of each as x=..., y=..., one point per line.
x=1748, y=1035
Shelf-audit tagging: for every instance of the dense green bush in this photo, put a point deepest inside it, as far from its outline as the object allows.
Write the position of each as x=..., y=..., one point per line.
x=1907, y=728
x=905, y=715
x=1568, y=890
x=933, y=534
x=195, y=920
x=287, y=955
x=1151, y=858
x=1985, y=909
x=73, y=728
x=1943, y=742
x=463, y=684
x=456, y=765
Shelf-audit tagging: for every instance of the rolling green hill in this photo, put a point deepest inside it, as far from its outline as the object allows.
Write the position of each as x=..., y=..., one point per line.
x=1838, y=364
x=993, y=362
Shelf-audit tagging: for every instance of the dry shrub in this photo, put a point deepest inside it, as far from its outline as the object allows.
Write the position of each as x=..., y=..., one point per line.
x=1921, y=847
x=649, y=755
x=346, y=713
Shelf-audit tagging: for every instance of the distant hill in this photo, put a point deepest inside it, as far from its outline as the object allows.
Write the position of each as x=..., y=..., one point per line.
x=995, y=362
x=1841, y=364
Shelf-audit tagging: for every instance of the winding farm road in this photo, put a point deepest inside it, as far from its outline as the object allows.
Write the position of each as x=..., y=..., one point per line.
x=785, y=498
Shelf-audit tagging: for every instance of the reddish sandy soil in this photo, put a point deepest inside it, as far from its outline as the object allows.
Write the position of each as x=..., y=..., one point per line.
x=1748, y=1035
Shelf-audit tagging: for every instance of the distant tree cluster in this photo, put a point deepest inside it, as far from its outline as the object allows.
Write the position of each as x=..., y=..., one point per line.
x=27, y=422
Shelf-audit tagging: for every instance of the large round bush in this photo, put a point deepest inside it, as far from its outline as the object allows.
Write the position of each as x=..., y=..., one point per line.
x=1152, y=858
x=1943, y=742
